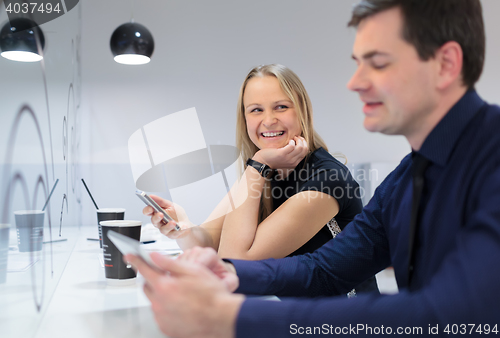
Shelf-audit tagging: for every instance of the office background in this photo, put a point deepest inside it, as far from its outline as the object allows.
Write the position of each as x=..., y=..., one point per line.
x=203, y=51
x=80, y=106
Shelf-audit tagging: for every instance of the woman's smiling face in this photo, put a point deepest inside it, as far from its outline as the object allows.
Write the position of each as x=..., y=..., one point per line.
x=269, y=113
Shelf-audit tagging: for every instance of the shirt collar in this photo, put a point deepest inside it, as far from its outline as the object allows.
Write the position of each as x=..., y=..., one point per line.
x=438, y=146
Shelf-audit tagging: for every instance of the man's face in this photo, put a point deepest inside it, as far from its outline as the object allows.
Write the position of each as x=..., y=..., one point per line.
x=397, y=88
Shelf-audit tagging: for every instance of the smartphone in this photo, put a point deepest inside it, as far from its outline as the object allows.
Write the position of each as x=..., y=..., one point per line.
x=149, y=201
x=128, y=245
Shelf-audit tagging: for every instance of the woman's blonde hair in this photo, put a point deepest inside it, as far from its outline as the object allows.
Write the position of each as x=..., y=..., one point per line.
x=295, y=90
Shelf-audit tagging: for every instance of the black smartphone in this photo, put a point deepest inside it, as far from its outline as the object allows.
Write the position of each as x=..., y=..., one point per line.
x=149, y=201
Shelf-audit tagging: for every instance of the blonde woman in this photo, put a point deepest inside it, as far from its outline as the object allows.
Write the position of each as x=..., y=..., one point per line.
x=293, y=196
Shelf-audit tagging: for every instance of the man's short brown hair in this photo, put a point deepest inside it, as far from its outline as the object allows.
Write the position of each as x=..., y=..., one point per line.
x=429, y=24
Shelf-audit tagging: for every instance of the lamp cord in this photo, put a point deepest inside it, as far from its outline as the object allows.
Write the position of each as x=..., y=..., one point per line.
x=132, y=5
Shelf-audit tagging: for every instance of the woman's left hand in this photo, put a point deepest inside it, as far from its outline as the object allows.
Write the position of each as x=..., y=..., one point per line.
x=287, y=157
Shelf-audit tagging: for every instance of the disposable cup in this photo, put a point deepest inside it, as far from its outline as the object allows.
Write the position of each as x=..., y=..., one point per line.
x=108, y=214
x=116, y=270
x=29, y=228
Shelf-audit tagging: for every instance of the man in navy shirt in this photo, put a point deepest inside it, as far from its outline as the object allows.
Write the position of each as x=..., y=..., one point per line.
x=438, y=226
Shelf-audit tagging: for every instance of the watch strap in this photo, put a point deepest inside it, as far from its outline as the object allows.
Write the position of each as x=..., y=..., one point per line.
x=263, y=169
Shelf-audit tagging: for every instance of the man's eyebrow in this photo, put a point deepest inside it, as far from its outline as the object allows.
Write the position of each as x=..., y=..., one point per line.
x=370, y=55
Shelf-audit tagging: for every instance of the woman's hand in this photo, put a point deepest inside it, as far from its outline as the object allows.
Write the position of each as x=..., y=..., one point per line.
x=173, y=210
x=287, y=157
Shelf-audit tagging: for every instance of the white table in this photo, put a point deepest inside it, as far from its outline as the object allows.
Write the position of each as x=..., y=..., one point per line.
x=78, y=302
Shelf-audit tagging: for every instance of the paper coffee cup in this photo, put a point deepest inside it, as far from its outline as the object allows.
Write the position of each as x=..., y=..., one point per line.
x=29, y=228
x=116, y=270
x=108, y=214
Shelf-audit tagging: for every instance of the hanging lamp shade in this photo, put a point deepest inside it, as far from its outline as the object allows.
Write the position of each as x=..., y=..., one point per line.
x=18, y=40
x=132, y=44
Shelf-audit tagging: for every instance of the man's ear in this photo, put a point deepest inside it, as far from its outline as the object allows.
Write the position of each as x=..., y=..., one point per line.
x=450, y=60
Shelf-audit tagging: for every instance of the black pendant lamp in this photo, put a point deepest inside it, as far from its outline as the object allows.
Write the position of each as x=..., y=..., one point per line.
x=18, y=40
x=132, y=44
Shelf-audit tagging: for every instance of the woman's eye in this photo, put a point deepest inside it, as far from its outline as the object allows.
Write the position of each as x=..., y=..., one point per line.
x=281, y=107
x=256, y=110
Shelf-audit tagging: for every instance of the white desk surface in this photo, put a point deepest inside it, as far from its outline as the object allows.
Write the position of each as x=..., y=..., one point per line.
x=77, y=301
x=81, y=303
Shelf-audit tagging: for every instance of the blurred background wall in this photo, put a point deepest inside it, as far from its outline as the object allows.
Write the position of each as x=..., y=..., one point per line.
x=203, y=51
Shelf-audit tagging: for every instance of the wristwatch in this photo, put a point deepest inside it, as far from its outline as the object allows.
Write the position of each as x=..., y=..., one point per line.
x=263, y=169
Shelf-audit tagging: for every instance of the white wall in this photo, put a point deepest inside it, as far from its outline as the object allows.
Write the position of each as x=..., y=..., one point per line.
x=203, y=51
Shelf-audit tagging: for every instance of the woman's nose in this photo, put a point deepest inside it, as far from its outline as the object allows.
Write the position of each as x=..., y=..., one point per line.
x=269, y=119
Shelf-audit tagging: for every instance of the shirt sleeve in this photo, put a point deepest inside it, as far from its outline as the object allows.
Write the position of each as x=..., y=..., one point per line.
x=460, y=297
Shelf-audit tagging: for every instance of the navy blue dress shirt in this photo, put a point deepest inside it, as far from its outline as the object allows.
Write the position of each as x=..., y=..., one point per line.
x=456, y=277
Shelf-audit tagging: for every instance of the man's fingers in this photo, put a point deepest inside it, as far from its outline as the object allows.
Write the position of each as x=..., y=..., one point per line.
x=173, y=266
x=204, y=256
x=149, y=292
x=146, y=271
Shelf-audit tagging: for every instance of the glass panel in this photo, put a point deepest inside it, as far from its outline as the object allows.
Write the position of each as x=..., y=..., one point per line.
x=39, y=145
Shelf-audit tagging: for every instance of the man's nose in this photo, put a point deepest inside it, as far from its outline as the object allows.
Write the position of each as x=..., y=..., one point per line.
x=358, y=81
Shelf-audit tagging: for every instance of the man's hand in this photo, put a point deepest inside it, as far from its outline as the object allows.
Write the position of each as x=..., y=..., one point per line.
x=188, y=300
x=208, y=257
